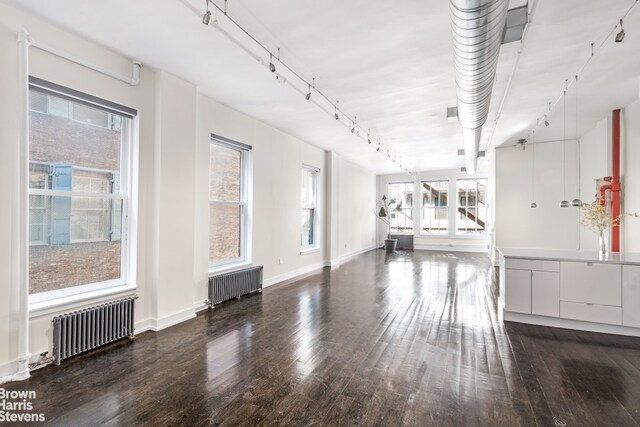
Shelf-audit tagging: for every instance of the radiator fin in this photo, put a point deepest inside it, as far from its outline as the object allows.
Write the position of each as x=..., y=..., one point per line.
x=227, y=286
x=84, y=330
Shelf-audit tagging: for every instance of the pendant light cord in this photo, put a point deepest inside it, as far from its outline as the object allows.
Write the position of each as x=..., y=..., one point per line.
x=578, y=144
x=564, y=139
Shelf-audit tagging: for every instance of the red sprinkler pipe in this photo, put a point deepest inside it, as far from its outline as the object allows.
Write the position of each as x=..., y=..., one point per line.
x=603, y=190
x=615, y=181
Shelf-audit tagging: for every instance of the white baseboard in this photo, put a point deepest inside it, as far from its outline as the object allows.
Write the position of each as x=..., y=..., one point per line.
x=7, y=371
x=142, y=326
x=165, y=322
x=334, y=263
x=200, y=306
x=292, y=274
x=452, y=248
x=346, y=257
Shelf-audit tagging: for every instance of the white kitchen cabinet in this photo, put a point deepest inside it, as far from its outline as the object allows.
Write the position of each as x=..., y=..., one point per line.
x=631, y=295
x=517, y=291
x=532, y=286
x=591, y=312
x=591, y=283
x=545, y=293
x=572, y=289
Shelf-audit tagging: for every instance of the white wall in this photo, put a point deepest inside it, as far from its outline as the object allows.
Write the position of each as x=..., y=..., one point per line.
x=630, y=171
x=174, y=198
x=595, y=162
x=277, y=178
x=174, y=123
x=356, y=200
x=549, y=226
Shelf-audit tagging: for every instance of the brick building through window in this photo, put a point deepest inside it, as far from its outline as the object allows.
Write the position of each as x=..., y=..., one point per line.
x=77, y=154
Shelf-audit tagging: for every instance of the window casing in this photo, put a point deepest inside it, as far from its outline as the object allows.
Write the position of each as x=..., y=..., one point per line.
x=471, y=206
x=400, y=199
x=309, y=212
x=229, y=213
x=435, y=215
x=79, y=190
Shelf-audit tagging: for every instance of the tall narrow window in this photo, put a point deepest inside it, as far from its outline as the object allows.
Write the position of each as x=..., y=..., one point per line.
x=435, y=218
x=472, y=209
x=228, y=196
x=401, y=207
x=309, y=213
x=79, y=190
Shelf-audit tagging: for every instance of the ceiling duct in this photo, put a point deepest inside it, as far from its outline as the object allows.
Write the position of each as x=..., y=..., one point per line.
x=478, y=27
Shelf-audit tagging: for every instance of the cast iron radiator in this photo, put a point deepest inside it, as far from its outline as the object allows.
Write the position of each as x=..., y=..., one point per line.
x=84, y=330
x=224, y=287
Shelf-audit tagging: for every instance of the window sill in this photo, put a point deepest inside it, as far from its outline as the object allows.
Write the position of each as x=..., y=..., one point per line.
x=67, y=303
x=310, y=250
x=229, y=268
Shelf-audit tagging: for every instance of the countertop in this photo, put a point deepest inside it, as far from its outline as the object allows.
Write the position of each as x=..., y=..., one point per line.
x=568, y=255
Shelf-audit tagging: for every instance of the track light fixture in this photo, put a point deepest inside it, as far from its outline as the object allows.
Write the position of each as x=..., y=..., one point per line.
x=620, y=35
x=207, y=16
x=308, y=95
x=546, y=120
x=378, y=149
x=335, y=111
x=353, y=126
x=271, y=66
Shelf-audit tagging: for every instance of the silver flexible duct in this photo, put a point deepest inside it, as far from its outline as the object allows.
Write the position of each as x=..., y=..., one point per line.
x=478, y=27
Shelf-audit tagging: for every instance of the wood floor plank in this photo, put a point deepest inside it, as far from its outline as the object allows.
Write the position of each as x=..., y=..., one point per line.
x=413, y=338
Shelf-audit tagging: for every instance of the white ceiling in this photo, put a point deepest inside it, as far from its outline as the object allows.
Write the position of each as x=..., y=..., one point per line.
x=388, y=63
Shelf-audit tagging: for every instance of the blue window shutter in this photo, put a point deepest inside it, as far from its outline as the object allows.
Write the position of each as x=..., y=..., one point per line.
x=61, y=179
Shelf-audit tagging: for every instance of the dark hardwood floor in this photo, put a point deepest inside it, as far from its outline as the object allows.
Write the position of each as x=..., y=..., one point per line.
x=412, y=338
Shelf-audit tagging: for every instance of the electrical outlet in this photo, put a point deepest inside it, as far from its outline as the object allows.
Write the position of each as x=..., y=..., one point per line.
x=279, y=260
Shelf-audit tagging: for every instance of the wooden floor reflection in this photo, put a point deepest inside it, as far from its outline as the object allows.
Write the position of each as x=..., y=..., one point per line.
x=412, y=338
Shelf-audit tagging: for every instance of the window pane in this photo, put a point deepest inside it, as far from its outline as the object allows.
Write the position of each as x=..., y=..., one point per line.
x=308, y=188
x=90, y=218
x=38, y=101
x=73, y=240
x=225, y=173
x=224, y=231
x=37, y=220
x=307, y=221
x=309, y=201
x=401, y=207
x=70, y=263
x=61, y=140
x=472, y=210
x=91, y=116
x=435, y=218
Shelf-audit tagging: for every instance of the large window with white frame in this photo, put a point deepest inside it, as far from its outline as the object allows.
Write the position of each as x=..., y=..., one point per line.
x=401, y=207
x=309, y=212
x=228, y=202
x=435, y=215
x=79, y=189
x=471, y=204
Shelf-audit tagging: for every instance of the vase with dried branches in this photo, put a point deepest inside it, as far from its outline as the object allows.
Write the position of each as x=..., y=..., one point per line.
x=596, y=218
